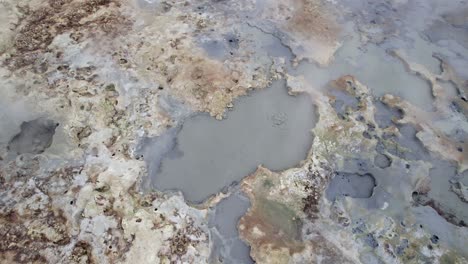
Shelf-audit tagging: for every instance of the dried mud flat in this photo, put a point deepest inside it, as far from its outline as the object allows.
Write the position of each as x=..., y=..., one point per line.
x=101, y=103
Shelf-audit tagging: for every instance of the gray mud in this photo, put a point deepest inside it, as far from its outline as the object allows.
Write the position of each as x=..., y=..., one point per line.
x=35, y=137
x=406, y=146
x=351, y=184
x=343, y=102
x=267, y=127
x=385, y=116
x=375, y=68
x=449, y=204
x=382, y=161
x=228, y=248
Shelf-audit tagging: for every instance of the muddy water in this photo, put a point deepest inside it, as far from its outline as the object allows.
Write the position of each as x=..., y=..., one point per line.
x=351, y=184
x=382, y=73
x=228, y=248
x=267, y=127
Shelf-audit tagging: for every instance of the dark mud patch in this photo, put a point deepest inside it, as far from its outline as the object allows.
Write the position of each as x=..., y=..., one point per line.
x=406, y=145
x=228, y=248
x=343, y=102
x=35, y=137
x=385, y=115
x=350, y=184
x=382, y=161
x=440, y=194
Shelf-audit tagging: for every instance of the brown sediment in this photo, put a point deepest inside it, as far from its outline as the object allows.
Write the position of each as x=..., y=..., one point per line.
x=40, y=25
x=307, y=27
x=312, y=19
x=275, y=229
x=82, y=253
x=263, y=228
x=24, y=243
x=209, y=82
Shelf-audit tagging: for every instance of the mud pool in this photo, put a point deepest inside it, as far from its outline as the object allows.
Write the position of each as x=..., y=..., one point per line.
x=387, y=77
x=267, y=127
x=349, y=184
x=35, y=136
x=228, y=248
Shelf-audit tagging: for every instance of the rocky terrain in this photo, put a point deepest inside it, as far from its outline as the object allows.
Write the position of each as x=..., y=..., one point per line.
x=95, y=94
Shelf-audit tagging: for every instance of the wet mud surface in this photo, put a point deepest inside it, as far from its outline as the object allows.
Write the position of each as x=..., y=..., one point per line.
x=296, y=131
x=352, y=185
x=267, y=127
x=35, y=137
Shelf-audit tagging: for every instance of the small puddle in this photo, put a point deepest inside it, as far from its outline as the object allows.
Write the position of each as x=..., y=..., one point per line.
x=385, y=115
x=372, y=66
x=443, y=174
x=228, y=248
x=351, y=184
x=267, y=127
x=35, y=137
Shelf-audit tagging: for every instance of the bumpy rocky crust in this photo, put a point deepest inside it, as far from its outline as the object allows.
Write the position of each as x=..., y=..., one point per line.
x=111, y=72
